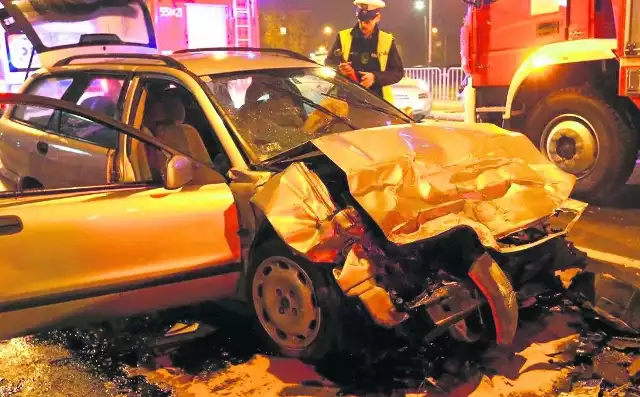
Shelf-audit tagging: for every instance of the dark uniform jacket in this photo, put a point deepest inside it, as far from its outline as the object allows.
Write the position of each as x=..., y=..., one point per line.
x=364, y=58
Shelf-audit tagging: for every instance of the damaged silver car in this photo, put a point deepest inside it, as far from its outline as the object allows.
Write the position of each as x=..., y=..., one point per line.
x=319, y=195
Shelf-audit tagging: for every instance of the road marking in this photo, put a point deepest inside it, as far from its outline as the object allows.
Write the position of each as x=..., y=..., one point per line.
x=611, y=258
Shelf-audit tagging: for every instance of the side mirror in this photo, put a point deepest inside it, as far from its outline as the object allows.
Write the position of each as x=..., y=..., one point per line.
x=179, y=172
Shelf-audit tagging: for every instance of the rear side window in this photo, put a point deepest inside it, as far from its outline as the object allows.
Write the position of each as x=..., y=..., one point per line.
x=98, y=93
x=54, y=87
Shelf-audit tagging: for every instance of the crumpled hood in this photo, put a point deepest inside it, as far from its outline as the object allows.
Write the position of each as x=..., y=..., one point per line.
x=418, y=181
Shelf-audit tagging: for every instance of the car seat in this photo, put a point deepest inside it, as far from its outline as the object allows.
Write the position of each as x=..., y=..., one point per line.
x=171, y=130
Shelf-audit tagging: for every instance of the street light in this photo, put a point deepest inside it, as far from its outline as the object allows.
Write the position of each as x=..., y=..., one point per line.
x=327, y=30
x=283, y=30
x=434, y=30
x=420, y=5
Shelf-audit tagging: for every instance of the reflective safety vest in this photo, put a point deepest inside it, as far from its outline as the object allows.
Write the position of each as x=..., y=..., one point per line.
x=384, y=46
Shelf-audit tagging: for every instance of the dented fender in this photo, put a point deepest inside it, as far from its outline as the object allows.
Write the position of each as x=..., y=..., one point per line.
x=300, y=209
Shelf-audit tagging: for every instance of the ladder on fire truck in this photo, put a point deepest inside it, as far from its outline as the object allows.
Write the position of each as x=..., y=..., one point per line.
x=243, y=14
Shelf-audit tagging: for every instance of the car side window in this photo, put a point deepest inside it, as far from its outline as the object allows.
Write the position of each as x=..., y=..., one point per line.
x=54, y=87
x=78, y=128
x=99, y=93
x=62, y=163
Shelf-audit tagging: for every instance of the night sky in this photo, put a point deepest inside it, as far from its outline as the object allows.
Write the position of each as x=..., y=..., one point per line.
x=399, y=18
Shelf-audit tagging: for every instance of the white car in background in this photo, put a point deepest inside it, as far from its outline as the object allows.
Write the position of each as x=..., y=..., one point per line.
x=413, y=97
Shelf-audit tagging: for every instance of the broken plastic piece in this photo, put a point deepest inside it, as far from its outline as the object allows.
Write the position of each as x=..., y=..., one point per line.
x=618, y=302
x=588, y=345
x=428, y=298
x=584, y=388
x=181, y=329
x=356, y=278
x=622, y=343
x=182, y=333
x=612, y=366
x=634, y=368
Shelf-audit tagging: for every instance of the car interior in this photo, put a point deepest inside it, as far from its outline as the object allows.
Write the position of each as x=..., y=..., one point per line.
x=171, y=114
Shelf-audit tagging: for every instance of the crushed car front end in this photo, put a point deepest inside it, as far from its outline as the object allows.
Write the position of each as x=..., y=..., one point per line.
x=429, y=225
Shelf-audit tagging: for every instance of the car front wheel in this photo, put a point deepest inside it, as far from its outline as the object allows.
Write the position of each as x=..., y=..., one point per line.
x=295, y=303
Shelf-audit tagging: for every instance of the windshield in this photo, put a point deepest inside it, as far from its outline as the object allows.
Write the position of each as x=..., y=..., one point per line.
x=275, y=111
x=63, y=23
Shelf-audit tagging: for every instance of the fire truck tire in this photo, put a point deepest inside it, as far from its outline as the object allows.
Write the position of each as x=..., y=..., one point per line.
x=583, y=134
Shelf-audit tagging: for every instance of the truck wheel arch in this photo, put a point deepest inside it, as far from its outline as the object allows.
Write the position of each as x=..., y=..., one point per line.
x=562, y=53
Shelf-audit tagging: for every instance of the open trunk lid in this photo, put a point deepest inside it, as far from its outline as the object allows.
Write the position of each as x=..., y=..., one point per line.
x=57, y=29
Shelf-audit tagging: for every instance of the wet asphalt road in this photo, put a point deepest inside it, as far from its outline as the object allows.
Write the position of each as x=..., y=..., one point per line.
x=230, y=362
x=616, y=229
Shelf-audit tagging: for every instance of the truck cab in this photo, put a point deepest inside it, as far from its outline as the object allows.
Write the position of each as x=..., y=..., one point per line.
x=563, y=72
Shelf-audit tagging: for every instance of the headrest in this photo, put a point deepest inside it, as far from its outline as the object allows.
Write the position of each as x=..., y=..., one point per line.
x=169, y=109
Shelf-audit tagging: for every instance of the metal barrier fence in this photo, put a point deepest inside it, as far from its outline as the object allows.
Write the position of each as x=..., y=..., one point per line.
x=444, y=82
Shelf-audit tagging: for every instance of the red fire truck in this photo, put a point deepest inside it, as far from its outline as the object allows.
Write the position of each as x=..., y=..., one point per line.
x=567, y=74
x=178, y=24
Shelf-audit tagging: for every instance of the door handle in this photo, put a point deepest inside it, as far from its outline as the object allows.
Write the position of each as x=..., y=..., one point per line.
x=10, y=224
x=42, y=147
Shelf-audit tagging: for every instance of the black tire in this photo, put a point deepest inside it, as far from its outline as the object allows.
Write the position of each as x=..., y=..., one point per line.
x=327, y=300
x=616, y=142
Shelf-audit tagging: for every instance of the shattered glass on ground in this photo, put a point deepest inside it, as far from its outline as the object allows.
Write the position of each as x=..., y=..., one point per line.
x=589, y=356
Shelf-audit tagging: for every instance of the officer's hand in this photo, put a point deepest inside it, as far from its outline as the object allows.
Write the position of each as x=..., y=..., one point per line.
x=367, y=79
x=346, y=68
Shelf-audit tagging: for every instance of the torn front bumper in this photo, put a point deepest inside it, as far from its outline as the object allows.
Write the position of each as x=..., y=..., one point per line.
x=497, y=289
x=357, y=279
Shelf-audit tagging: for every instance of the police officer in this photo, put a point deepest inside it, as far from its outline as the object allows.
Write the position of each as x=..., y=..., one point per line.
x=367, y=54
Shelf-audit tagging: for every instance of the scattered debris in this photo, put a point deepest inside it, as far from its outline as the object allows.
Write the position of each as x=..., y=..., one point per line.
x=615, y=301
x=588, y=344
x=601, y=361
x=634, y=368
x=10, y=389
x=584, y=388
x=612, y=366
x=622, y=343
x=182, y=333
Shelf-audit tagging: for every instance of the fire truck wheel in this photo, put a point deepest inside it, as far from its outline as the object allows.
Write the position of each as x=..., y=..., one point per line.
x=584, y=135
x=296, y=303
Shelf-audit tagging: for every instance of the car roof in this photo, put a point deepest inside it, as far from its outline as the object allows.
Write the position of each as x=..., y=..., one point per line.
x=199, y=63
x=206, y=63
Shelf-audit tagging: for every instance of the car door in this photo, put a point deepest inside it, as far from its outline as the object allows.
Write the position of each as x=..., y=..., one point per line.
x=59, y=29
x=66, y=138
x=118, y=248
